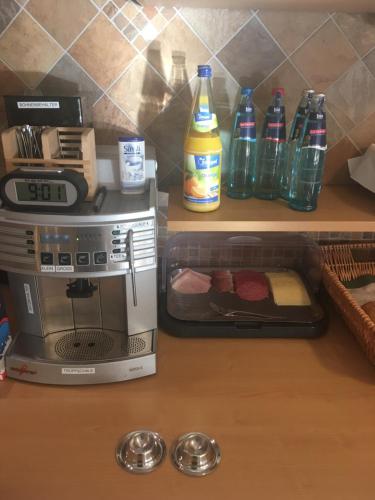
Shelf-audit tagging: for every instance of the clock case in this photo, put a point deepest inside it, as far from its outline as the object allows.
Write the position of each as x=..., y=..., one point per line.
x=76, y=179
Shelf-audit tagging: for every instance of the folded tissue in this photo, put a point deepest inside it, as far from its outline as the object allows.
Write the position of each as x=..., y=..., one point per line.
x=362, y=169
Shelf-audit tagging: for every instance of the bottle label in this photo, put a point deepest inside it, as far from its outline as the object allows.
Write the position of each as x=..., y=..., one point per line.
x=316, y=133
x=245, y=124
x=204, y=121
x=202, y=177
x=132, y=163
x=274, y=125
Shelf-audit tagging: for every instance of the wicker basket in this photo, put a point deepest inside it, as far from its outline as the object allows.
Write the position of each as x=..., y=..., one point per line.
x=344, y=263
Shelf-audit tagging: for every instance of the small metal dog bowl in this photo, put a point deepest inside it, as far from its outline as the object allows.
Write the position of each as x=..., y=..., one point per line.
x=196, y=454
x=140, y=451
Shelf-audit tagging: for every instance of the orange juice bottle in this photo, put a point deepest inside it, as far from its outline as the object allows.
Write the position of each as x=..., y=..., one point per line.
x=202, y=150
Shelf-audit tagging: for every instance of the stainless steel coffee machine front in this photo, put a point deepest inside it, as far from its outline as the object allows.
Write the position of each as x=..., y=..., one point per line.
x=84, y=290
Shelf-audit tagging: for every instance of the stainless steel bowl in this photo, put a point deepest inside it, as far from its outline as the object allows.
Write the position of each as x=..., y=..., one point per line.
x=140, y=451
x=196, y=454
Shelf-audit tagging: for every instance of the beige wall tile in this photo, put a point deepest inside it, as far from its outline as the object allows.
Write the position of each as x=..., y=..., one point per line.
x=63, y=20
x=102, y=51
x=8, y=9
x=359, y=29
x=149, y=94
x=225, y=90
x=28, y=50
x=174, y=178
x=334, y=132
x=166, y=167
x=176, y=37
x=290, y=34
x=110, y=9
x=321, y=71
x=9, y=81
x=285, y=76
x=10, y=84
x=352, y=97
x=215, y=26
x=168, y=130
x=336, y=166
x=251, y=55
x=130, y=10
x=364, y=133
x=369, y=60
x=168, y=13
x=110, y=122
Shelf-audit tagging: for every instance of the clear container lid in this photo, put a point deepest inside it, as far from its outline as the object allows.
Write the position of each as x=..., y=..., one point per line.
x=276, y=258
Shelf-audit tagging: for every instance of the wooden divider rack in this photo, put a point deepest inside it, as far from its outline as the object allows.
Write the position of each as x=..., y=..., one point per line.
x=63, y=147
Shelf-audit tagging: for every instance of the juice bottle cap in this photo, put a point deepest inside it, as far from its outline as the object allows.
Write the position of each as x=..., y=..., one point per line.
x=204, y=70
x=279, y=90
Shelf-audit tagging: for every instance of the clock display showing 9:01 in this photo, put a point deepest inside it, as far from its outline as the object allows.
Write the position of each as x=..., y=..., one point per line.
x=41, y=192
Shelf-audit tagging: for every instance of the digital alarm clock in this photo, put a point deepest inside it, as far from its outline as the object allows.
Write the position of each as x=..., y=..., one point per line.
x=41, y=189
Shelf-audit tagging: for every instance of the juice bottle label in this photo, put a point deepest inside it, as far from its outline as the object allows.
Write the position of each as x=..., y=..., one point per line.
x=204, y=121
x=202, y=177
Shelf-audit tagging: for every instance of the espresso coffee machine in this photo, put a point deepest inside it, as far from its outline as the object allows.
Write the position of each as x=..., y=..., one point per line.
x=83, y=285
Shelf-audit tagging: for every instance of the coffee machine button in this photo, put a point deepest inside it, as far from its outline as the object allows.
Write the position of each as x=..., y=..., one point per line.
x=116, y=232
x=100, y=257
x=116, y=242
x=83, y=258
x=46, y=258
x=65, y=259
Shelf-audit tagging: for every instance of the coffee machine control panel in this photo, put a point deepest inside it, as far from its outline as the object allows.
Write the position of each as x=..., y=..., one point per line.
x=103, y=249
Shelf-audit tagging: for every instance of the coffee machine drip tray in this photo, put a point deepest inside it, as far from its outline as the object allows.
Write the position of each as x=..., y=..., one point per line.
x=82, y=356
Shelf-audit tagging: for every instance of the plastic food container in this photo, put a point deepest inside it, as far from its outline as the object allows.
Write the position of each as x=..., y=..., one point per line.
x=241, y=285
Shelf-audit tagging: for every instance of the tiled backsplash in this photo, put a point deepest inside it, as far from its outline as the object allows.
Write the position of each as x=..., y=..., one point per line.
x=134, y=67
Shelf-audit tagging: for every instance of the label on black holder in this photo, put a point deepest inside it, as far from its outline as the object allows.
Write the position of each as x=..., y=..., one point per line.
x=38, y=105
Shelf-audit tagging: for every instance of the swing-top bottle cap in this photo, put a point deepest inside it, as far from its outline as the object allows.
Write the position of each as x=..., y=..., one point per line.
x=279, y=90
x=247, y=91
x=204, y=70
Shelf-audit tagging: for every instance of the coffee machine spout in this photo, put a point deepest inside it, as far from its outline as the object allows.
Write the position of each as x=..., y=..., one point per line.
x=81, y=288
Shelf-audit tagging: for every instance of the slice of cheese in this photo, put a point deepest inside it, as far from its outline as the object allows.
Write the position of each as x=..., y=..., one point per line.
x=288, y=289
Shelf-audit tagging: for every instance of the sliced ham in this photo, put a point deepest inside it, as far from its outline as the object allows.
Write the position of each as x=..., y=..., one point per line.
x=191, y=282
x=251, y=285
x=222, y=281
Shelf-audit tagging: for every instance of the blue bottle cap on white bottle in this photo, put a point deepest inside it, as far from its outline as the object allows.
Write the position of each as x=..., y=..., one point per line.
x=247, y=91
x=204, y=70
x=131, y=139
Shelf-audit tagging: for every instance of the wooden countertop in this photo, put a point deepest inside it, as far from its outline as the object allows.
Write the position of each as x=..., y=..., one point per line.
x=294, y=419
x=340, y=208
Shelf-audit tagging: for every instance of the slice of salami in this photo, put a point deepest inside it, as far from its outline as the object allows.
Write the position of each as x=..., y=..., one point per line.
x=251, y=285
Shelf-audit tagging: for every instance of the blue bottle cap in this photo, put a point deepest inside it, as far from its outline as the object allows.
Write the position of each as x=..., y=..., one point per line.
x=204, y=70
x=131, y=139
x=247, y=91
